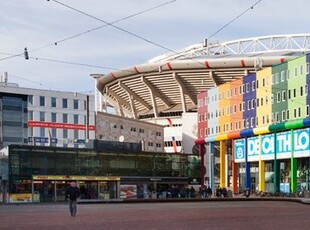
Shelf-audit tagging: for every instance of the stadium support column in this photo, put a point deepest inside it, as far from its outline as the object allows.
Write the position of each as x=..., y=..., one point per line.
x=293, y=185
x=247, y=167
x=261, y=166
x=234, y=169
x=222, y=164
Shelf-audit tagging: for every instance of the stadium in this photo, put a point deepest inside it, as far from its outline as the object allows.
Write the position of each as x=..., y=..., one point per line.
x=164, y=90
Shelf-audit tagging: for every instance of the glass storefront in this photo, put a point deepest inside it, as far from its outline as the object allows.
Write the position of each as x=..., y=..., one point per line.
x=42, y=173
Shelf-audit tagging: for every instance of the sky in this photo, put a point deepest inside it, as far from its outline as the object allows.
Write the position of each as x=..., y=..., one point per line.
x=59, y=32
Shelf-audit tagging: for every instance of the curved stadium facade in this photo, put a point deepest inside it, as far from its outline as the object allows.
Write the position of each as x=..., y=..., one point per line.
x=164, y=90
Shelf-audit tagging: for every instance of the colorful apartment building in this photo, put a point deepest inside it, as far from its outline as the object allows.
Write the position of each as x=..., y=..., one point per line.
x=256, y=129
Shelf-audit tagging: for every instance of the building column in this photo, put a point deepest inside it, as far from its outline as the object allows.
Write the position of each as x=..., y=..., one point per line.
x=276, y=171
x=247, y=167
x=222, y=164
x=202, y=165
x=211, y=165
x=234, y=168
x=261, y=167
x=293, y=182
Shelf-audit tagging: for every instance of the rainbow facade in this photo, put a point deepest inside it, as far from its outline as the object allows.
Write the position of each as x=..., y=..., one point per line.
x=257, y=125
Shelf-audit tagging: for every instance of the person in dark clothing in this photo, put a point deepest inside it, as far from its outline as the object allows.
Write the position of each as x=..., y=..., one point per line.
x=72, y=193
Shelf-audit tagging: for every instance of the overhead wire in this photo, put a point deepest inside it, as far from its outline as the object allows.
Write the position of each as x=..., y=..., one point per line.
x=105, y=25
x=149, y=41
x=85, y=32
x=114, y=26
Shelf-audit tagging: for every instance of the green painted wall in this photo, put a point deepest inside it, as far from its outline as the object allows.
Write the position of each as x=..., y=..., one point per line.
x=295, y=83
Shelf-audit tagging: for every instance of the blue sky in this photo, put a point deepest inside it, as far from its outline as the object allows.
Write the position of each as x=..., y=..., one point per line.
x=40, y=23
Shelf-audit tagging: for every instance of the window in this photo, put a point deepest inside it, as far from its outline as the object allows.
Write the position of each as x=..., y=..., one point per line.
x=277, y=116
x=42, y=116
x=289, y=94
x=42, y=101
x=288, y=74
x=252, y=122
x=65, y=118
x=65, y=133
x=257, y=102
x=30, y=115
x=278, y=97
x=263, y=120
x=282, y=76
x=301, y=90
x=264, y=82
x=307, y=110
x=276, y=78
x=253, y=86
x=283, y=115
x=76, y=119
x=283, y=95
x=287, y=114
x=53, y=101
x=64, y=103
x=294, y=93
x=295, y=72
x=247, y=87
x=76, y=104
x=307, y=68
x=301, y=69
x=54, y=133
x=54, y=117
x=42, y=132
x=30, y=99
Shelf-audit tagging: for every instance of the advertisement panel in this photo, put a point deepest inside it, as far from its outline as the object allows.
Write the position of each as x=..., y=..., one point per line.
x=268, y=147
x=253, y=149
x=20, y=198
x=239, y=150
x=302, y=143
x=284, y=146
x=128, y=191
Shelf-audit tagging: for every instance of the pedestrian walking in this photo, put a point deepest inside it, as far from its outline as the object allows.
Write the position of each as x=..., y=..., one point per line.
x=73, y=192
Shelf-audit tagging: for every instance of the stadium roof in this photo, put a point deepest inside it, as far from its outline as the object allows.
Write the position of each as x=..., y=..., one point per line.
x=170, y=83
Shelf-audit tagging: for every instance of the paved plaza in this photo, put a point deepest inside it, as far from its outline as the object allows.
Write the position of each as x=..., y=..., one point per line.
x=168, y=215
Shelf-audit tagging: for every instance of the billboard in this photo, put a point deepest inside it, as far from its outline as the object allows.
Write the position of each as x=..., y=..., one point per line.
x=295, y=142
